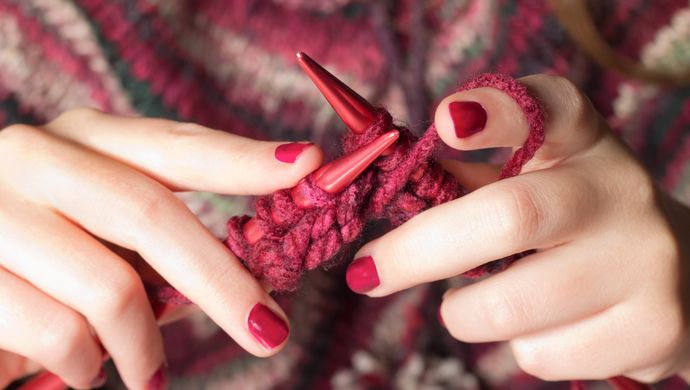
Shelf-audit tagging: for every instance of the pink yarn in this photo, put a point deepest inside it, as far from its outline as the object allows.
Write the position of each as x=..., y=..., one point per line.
x=296, y=239
x=531, y=108
x=395, y=188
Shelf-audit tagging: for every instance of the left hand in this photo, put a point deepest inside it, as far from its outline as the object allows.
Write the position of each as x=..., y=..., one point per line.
x=604, y=294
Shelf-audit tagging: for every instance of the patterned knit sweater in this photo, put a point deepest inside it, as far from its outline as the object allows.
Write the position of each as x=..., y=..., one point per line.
x=178, y=59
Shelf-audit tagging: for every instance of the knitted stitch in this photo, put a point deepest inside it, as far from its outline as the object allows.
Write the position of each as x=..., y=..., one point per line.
x=229, y=64
x=395, y=188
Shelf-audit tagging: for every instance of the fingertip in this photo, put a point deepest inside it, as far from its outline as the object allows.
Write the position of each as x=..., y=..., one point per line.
x=362, y=275
x=269, y=327
x=294, y=160
x=460, y=118
x=310, y=159
x=288, y=153
x=480, y=118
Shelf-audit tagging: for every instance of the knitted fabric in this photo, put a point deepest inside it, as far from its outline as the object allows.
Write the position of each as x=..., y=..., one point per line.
x=229, y=65
x=395, y=188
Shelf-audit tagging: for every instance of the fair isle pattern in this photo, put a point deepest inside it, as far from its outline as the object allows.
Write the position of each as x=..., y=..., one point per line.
x=180, y=59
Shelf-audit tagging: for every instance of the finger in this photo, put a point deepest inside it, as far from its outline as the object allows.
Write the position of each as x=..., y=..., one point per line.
x=602, y=346
x=143, y=216
x=187, y=156
x=12, y=367
x=506, y=217
x=487, y=117
x=71, y=266
x=472, y=175
x=534, y=294
x=34, y=325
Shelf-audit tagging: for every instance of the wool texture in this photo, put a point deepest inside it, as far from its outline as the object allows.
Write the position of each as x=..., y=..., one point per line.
x=395, y=188
x=229, y=65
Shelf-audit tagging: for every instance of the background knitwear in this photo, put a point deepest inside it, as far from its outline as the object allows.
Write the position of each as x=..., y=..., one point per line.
x=179, y=59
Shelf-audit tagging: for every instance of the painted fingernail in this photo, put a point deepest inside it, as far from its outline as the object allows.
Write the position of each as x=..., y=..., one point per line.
x=99, y=380
x=361, y=275
x=159, y=380
x=288, y=153
x=468, y=118
x=267, y=327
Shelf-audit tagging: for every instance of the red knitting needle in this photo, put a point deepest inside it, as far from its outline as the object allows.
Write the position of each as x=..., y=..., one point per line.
x=333, y=177
x=358, y=114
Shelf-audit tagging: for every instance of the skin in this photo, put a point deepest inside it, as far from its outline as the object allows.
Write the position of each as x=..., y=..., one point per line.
x=87, y=178
x=604, y=295
x=606, y=292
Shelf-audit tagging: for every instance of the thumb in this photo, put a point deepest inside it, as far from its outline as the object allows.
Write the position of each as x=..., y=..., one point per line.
x=487, y=118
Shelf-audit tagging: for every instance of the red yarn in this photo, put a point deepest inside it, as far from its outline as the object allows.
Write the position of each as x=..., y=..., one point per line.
x=532, y=109
x=297, y=239
x=395, y=188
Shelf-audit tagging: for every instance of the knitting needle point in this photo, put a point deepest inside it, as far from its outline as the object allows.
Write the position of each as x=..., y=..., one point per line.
x=336, y=175
x=353, y=110
x=333, y=177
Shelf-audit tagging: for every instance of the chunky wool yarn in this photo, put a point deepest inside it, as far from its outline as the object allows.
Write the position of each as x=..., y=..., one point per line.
x=395, y=188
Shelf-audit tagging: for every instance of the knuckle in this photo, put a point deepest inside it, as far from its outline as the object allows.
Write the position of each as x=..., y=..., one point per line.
x=117, y=295
x=181, y=136
x=183, y=129
x=18, y=139
x=151, y=206
x=64, y=337
x=578, y=108
x=502, y=313
x=649, y=375
x=641, y=188
x=406, y=268
x=671, y=335
x=519, y=214
x=75, y=115
x=532, y=359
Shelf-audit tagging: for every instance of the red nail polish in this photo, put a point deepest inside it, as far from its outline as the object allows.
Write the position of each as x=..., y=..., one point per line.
x=361, y=275
x=99, y=380
x=267, y=327
x=468, y=118
x=159, y=380
x=288, y=153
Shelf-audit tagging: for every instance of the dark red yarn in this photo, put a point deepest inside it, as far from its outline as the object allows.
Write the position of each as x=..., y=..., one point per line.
x=395, y=188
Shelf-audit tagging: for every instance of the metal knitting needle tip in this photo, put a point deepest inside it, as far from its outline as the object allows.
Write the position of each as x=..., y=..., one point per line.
x=336, y=175
x=353, y=110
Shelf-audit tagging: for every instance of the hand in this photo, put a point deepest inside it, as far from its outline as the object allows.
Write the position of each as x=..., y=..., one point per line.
x=87, y=179
x=606, y=291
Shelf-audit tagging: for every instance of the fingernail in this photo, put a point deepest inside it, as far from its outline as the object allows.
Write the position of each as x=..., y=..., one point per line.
x=468, y=118
x=100, y=379
x=267, y=327
x=159, y=380
x=361, y=275
x=288, y=153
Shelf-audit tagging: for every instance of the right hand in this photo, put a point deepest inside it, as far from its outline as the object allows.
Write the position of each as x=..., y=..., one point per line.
x=88, y=178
